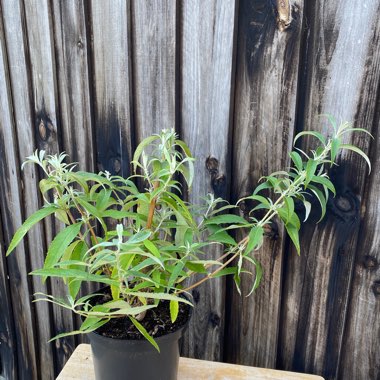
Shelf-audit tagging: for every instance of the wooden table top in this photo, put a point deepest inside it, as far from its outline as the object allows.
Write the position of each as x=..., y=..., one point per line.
x=79, y=367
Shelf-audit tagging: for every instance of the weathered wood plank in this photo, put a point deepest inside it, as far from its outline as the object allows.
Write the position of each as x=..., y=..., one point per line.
x=73, y=70
x=360, y=357
x=8, y=353
x=71, y=46
x=207, y=42
x=19, y=142
x=46, y=125
x=265, y=106
x=111, y=77
x=154, y=65
x=317, y=285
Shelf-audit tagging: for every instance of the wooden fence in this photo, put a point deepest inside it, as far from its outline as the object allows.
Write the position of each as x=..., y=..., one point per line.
x=237, y=79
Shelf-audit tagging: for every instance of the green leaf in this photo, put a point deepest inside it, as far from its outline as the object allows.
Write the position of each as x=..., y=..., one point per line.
x=28, y=224
x=142, y=330
x=255, y=239
x=325, y=182
x=262, y=186
x=311, y=167
x=335, y=144
x=221, y=236
x=175, y=273
x=225, y=219
x=174, y=309
x=258, y=274
x=60, y=243
x=358, y=151
x=139, y=237
x=307, y=209
x=289, y=207
x=140, y=148
x=78, y=274
x=318, y=135
x=293, y=233
x=196, y=267
x=322, y=200
x=102, y=199
x=152, y=248
x=297, y=160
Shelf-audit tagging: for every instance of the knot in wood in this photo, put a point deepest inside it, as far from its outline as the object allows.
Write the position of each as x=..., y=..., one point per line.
x=214, y=319
x=80, y=44
x=343, y=204
x=116, y=166
x=376, y=288
x=370, y=262
x=212, y=165
x=42, y=130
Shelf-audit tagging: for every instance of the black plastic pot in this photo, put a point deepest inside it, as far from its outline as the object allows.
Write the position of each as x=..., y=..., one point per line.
x=135, y=359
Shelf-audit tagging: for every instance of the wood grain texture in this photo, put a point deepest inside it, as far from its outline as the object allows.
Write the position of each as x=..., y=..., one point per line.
x=8, y=350
x=207, y=41
x=80, y=367
x=154, y=65
x=47, y=131
x=264, y=117
x=317, y=286
x=111, y=78
x=72, y=46
x=19, y=144
x=360, y=356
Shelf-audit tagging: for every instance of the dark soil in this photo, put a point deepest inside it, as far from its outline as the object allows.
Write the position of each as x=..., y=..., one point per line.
x=156, y=321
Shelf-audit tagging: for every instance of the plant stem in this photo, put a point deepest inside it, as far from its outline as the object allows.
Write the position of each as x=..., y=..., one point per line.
x=152, y=207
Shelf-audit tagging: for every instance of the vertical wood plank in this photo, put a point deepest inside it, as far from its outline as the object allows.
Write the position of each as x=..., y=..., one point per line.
x=111, y=77
x=360, y=352
x=315, y=313
x=8, y=349
x=206, y=56
x=154, y=65
x=265, y=103
x=46, y=124
x=71, y=46
x=20, y=143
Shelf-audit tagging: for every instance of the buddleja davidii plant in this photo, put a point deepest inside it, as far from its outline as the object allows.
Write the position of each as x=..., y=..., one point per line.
x=154, y=247
x=307, y=175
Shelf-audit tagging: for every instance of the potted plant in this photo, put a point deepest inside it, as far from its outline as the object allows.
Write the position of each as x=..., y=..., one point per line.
x=144, y=243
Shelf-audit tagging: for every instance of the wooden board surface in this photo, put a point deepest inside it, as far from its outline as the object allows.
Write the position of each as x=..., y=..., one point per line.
x=110, y=33
x=154, y=66
x=314, y=315
x=207, y=54
x=80, y=367
x=265, y=107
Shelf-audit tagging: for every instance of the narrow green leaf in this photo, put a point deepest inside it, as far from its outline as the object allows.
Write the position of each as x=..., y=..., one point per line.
x=195, y=267
x=258, y=273
x=60, y=243
x=174, y=309
x=321, y=199
x=262, y=186
x=225, y=219
x=143, y=331
x=140, y=148
x=318, y=135
x=28, y=224
x=311, y=167
x=335, y=144
x=297, y=160
x=293, y=233
x=255, y=239
x=175, y=273
x=358, y=151
x=222, y=237
x=325, y=182
x=138, y=237
x=307, y=209
x=152, y=248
